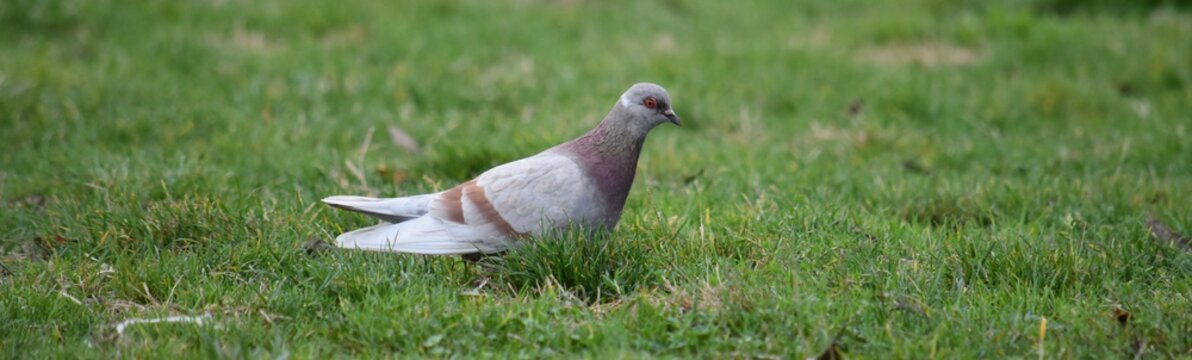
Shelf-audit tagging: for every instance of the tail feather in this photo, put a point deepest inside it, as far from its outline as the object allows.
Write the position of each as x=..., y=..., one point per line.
x=424, y=235
x=393, y=210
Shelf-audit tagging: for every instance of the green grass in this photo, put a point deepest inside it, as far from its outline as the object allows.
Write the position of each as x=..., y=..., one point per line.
x=903, y=179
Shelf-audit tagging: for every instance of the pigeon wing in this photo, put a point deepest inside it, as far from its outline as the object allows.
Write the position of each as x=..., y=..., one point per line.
x=520, y=198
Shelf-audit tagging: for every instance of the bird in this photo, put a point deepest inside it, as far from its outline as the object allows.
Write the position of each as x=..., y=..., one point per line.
x=582, y=183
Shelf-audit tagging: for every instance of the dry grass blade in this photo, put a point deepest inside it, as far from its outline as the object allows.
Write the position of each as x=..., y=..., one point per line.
x=475, y=291
x=356, y=172
x=356, y=168
x=197, y=320
x=69, y=297
x=360, y=153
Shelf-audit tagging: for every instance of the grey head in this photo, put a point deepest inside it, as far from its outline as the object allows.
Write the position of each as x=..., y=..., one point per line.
x=609, y=152
x=645, y=106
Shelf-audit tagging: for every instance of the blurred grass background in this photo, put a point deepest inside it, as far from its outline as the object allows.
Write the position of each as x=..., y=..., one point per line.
x=881, y=179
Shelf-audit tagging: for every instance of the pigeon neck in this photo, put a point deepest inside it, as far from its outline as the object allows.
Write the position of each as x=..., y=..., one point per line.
x=614, y=140
x=609, y=155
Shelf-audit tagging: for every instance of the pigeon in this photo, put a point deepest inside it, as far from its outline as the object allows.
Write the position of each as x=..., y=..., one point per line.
x=581, y=183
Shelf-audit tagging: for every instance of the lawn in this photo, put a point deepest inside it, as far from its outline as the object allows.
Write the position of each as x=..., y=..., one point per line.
x=872, y=179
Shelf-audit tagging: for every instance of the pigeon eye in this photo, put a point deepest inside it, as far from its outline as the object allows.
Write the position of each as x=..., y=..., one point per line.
x=650, y=103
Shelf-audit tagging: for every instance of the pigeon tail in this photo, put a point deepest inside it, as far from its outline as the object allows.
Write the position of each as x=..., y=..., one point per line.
x=393, y=210
x=424, y=235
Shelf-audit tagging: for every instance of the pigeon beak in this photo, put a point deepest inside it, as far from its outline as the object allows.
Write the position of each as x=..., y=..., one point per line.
x=674, y=119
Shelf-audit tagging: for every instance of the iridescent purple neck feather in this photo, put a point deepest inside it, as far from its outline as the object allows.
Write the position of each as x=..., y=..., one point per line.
x=608, y=153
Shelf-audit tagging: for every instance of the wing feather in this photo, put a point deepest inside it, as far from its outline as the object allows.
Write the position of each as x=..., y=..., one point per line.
x=520, y=198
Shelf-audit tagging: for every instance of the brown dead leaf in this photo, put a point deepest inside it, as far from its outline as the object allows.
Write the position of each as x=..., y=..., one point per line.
x=855, y=107
x=402, y=139
x=1122, y=315
x=1166, y=235
x=391, y=175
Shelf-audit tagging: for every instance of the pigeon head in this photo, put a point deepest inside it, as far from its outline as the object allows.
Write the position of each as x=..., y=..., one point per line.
x=645, y=106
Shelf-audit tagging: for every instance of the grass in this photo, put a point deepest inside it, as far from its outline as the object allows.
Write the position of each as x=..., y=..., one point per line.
x=953, y=179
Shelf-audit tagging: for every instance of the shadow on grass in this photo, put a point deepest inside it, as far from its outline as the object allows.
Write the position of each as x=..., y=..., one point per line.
x=947, y=211
x=595, y=266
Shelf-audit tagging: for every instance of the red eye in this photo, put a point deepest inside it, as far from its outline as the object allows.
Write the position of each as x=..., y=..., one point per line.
x=650, y=103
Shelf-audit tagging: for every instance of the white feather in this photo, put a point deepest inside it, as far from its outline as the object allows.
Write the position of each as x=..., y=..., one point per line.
x=392, y=210
x=424, y=235
x=539, y=192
